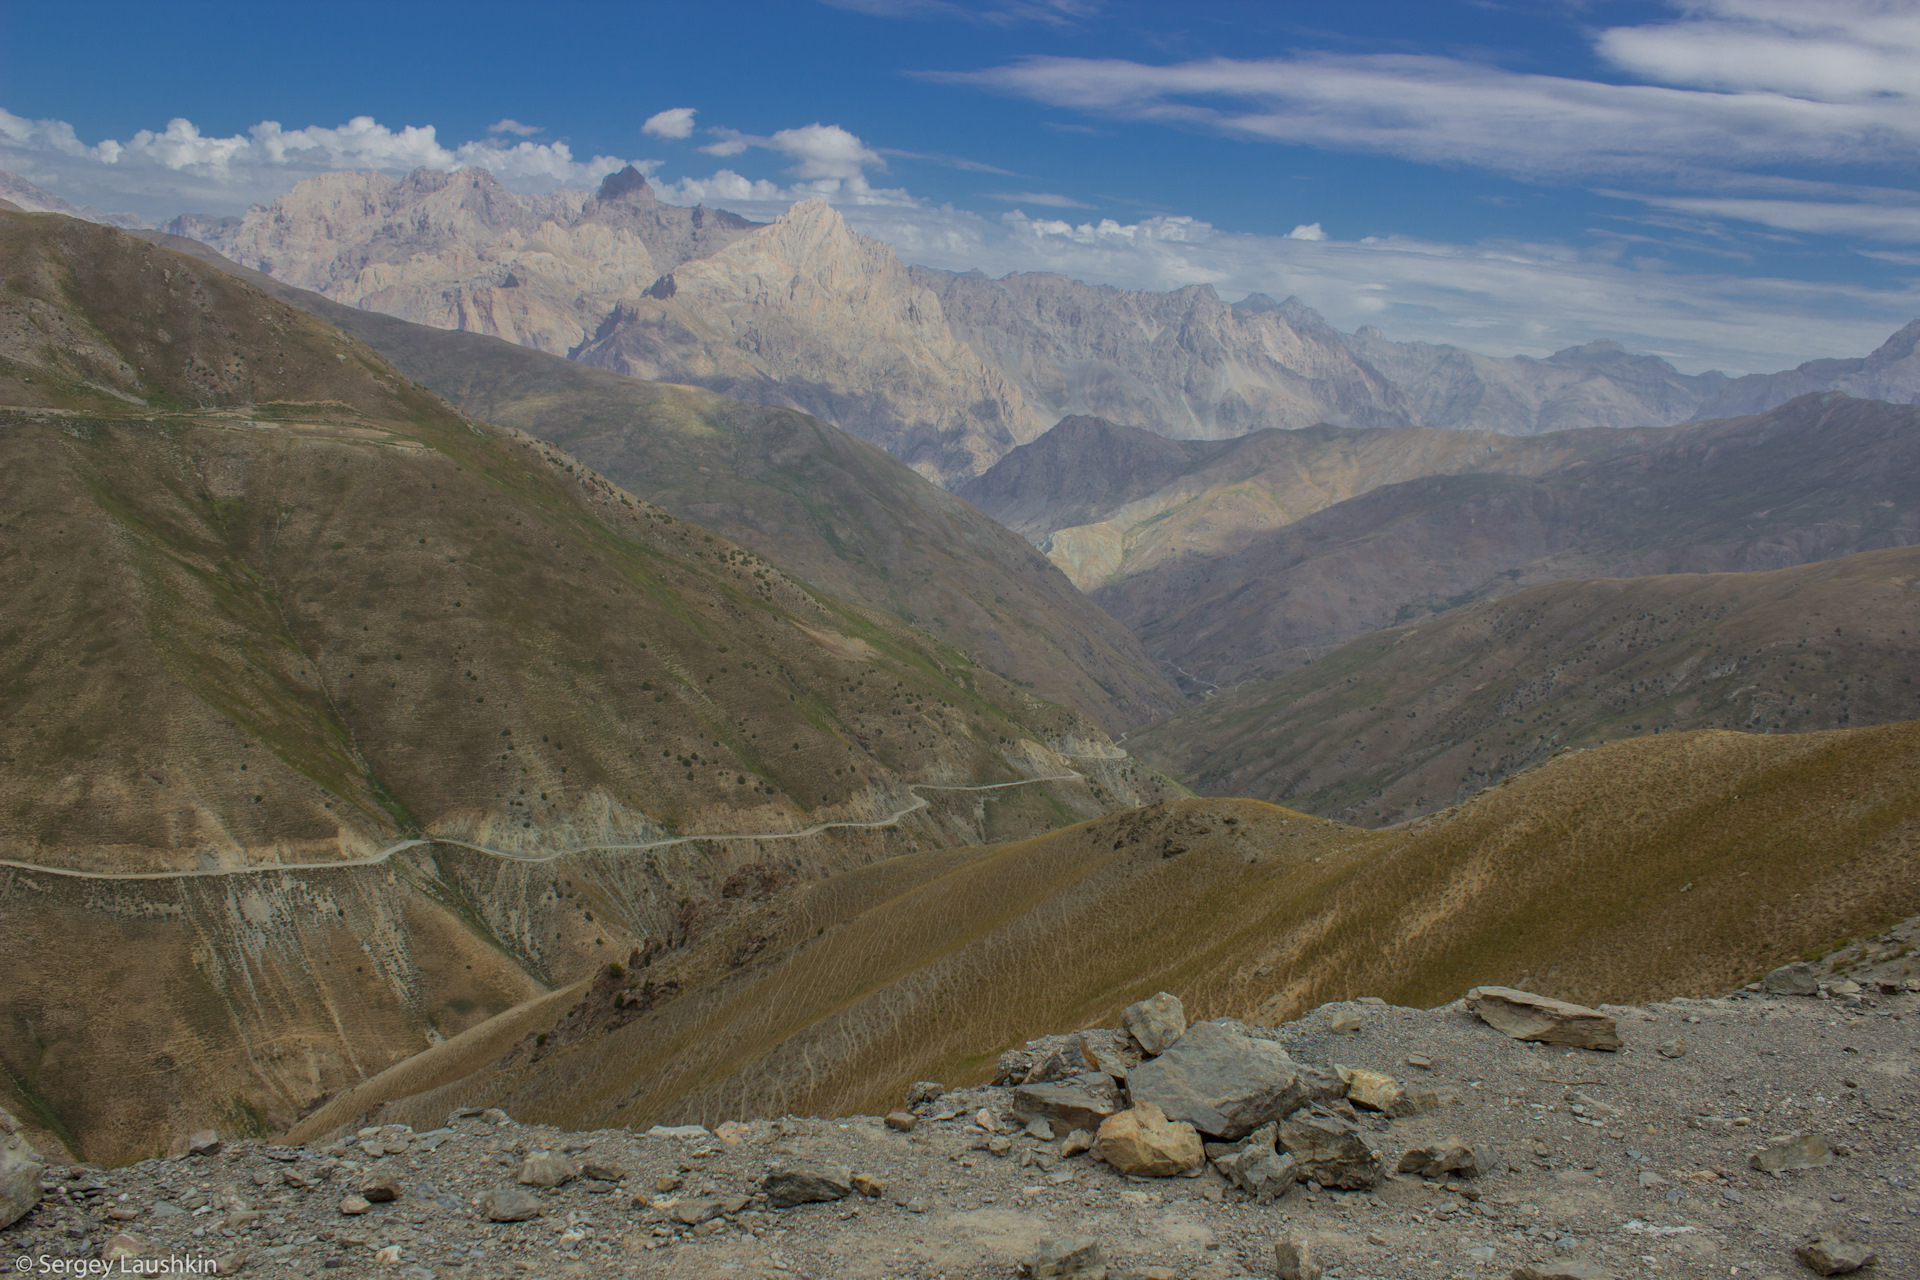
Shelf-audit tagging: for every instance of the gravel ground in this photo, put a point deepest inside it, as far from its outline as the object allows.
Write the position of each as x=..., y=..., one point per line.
x=1635, y=1162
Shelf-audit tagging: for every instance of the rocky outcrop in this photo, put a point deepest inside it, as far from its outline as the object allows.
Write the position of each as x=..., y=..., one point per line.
x=1542, y=1019
x=1892, y=373
x=20, y=1170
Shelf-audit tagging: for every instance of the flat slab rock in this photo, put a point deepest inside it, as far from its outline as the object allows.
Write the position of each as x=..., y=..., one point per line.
x=1542, y=1019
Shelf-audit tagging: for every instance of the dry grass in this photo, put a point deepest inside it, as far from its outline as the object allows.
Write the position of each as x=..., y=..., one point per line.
x=1681, y=864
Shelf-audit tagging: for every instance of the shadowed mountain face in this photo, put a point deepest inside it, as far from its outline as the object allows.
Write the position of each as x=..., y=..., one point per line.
x=1409, y=720
x=1821, y=477
x=1753, y=849
x=825, y=505
x=269, y=604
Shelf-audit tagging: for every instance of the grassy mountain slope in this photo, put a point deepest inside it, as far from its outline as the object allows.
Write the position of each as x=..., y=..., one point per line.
x=825, y=505
x=1406, y=721
x=1821, y=477
x=266, y=602
x=1578, y=879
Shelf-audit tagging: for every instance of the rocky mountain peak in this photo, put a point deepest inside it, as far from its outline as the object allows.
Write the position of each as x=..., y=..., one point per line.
x=1898, y=347
x=629, y=185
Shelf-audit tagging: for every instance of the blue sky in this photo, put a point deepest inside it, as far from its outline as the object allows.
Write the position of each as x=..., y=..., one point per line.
x=1724, y=182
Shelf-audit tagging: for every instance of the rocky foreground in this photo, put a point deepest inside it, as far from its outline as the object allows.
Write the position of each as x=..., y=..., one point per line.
x=1764, y=1133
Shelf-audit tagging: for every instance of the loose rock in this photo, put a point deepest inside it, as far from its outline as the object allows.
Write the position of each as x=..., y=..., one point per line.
x=1078, y=1257
x=1156, y=1022
x=545, y=1169
x=1561, y=1271
x=509, y=1204
x=921, y=1092
x=1257, y=1167
x=1796, y=979
x=1542, y=1019
x=354, y=1206
x=1083, y=1101
x=1224, y=1082
x=1143, y=1142
x=1441, y=1158
x=1329, y=1150
x=903, y=1121
x=1674, y=1048
x=379, y=1188
x=20, y=1171
x=786, y=1188
x=1832, y=1254
x=1796, y=1151
x=1296, y=1260
x=868, y=1185
x=204, y=1143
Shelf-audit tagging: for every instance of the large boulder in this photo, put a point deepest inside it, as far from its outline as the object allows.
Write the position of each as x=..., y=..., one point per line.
x=1835, y=1254
x=1081, y=1101
x=545, y=1169
x=1156, y=1022
x=1542, y=1019
x=1226, y=1083
x=509, y=1204
x=1438, y=1159
x=20, y=1170
x=1329, y=1150
x=1143, y=1142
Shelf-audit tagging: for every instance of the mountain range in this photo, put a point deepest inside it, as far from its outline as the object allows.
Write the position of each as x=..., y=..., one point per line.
x=948, y=371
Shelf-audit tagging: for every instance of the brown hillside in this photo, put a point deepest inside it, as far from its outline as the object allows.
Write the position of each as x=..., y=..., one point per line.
x=1683, y=863
x=268, y=603
x=1407, y=721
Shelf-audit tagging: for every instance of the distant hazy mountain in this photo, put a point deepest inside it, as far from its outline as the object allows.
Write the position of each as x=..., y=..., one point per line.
x=28, y=198
x=947, y=371
x=1410, y=720
x=1820, y=477
x=1892, y=373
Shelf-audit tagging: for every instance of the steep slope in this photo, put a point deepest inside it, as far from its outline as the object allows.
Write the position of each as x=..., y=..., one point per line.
x=810, y=314
x=1823, y=476
x=311, y=683
x=837, y=512
x=1576, y=877
x=1183, y=364
x=1891, y=373
x=460, y=251
x=1105, y=504
x=1405, y=721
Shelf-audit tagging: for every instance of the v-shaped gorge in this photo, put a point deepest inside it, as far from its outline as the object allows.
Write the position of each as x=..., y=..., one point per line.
x=274, y=613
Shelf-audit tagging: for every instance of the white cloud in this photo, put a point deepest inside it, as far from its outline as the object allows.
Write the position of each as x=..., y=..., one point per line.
x=162, y=172
x=1003, y=13
x=1307, y=231
x=1045, y=199
x=825, y=151
x=674, y=122
x=508, y=124
x=1833, y=51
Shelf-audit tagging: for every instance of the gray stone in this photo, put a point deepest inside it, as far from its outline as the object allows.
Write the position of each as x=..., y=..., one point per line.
x=1256, y=1166
x=1542, y=1019
x=1078, y=1257
x=1833, y=1254
x=921, y=1092
x=509, y=1204
x=1295, y=1260
x=1083, y=1101
x=786, y=1188
x=545, y=1169
x=1076, y=1142
x=1436, y=1160
x=904, y=1121
x=1156, y=1022
x=1039, y=1129
x=1674, y=1048
x=692, y=1213
x=1795, y=1151
x=1329, y=1150
x=1113, y=1052
x=20, y=1171
x=1796, y=979
x=379, y=1188
x=1225, y=1083
x=1561, y=1271
x=354, y=1205
x=204, y=1143
x=602, y=1172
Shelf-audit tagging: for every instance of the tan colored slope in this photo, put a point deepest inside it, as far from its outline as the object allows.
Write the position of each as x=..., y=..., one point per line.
x=1679, y=864
x=1409, y=720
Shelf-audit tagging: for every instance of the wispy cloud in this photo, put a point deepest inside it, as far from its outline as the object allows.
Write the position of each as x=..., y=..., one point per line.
x=508, y=124
x=1045, y=199
x=1732, y=94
